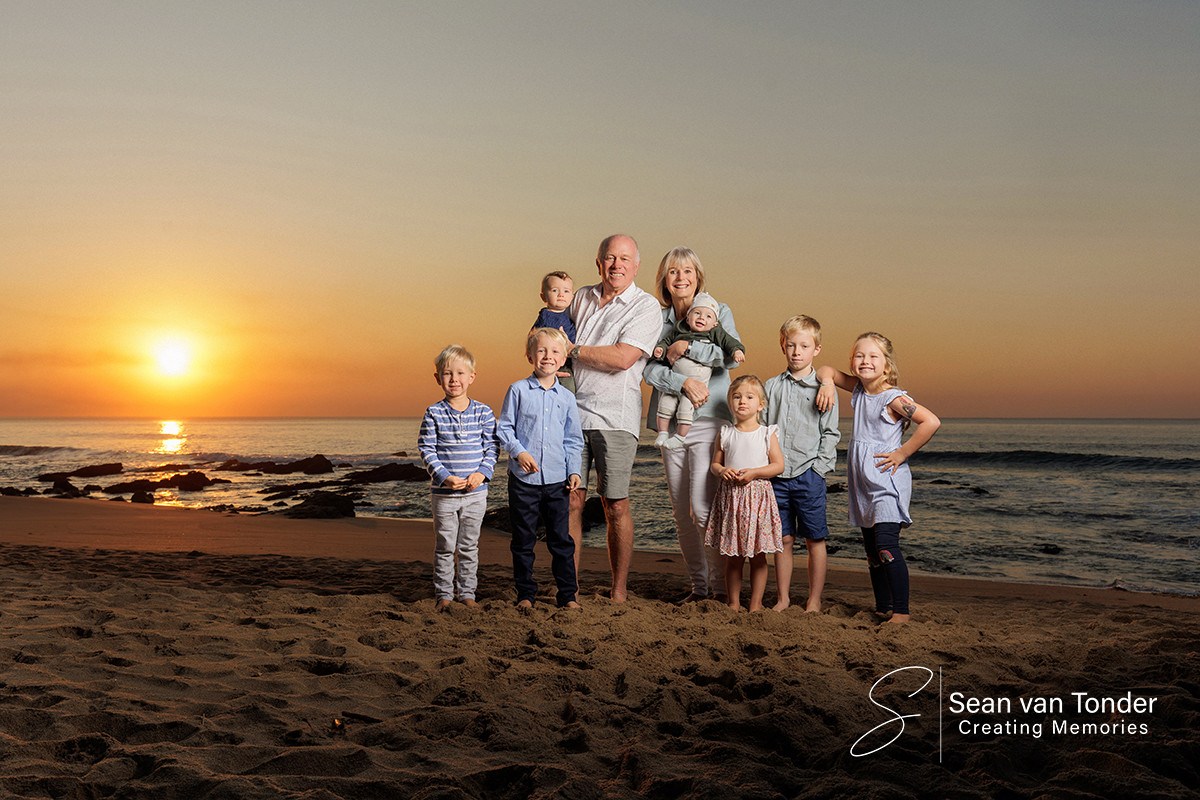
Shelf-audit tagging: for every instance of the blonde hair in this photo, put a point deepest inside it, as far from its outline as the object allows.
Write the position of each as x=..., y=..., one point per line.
x=891, y=373
x=558, y=273
x=762, y=392
x=454, y=352
x=548, y=333
x=798, y=323
x=674, y=258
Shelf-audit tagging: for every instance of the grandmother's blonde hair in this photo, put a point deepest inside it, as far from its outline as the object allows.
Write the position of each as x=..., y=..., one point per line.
x=674, y=257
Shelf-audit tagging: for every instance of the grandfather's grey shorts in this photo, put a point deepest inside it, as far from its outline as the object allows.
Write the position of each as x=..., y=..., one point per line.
x=613, y=452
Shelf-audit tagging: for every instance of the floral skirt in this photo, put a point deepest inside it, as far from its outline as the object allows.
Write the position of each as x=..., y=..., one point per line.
x=744, y=520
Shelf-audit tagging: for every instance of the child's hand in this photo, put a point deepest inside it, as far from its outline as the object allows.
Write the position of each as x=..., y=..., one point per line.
x=730, y=474
x=658, y=351
x=573, y=482
x=891, y=461
x=455, y=484
x=474, y=481
x=676, y=351
x=527, y=463
x=826, y=396
x=739, y=356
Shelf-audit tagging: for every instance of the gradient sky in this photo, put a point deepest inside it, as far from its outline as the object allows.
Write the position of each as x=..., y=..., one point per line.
x=316, y=197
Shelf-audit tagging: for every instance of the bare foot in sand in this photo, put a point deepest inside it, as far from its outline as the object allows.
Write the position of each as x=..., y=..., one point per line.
x=783, y=603
x=814, y=606
x=470, y=603
x=572, y=604
x=691, y=598
x=898, y=619
x=525, y=605
x=619, y=596
x=441, y=606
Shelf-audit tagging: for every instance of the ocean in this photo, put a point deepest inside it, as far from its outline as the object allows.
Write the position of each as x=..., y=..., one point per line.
x=1108, y=503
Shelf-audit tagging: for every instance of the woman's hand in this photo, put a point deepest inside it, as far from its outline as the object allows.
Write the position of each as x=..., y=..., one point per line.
x=696, y=391
x=676, y=351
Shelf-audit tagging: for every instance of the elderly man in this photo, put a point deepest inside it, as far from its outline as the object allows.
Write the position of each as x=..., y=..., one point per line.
x=617, y=326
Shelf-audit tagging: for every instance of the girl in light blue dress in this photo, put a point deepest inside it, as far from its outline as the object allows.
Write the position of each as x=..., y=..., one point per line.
x=878, y=478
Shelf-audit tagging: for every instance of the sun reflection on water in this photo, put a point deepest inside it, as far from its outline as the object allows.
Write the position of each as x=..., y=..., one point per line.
x=174, y=437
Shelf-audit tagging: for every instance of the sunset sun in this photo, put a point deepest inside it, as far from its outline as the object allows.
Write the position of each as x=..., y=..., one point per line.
x=173, y=358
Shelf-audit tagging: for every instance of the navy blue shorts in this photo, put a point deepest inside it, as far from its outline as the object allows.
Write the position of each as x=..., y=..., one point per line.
x=802, y=505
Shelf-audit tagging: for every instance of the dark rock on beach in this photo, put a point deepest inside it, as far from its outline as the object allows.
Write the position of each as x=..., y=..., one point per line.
x=498, y=519
x=193, y=481
x=322, y=505
x=389, y=472
x=64, y=488
x=142, y=497
x=593, y=513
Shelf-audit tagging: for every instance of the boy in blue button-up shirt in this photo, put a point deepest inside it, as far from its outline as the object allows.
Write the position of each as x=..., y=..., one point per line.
x=809, y=440
x=539, y=428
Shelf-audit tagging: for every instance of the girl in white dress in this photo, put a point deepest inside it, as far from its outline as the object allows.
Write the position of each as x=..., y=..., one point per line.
x=878, y=478
x=744, y=522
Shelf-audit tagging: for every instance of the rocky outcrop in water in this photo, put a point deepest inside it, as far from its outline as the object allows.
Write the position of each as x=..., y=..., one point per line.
x=93, y=471
x=313, y=465
x=192, y=481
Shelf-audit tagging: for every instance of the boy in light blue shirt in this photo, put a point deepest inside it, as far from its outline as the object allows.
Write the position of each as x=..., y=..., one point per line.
x=539, y=428
x=809, y=440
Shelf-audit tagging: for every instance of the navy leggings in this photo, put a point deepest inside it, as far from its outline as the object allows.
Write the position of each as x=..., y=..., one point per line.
x=889, y=573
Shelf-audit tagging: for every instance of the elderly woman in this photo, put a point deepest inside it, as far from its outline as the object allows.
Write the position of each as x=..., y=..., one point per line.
x=689, y=480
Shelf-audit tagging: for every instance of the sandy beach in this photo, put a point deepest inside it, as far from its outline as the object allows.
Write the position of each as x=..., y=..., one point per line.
x=159, y=652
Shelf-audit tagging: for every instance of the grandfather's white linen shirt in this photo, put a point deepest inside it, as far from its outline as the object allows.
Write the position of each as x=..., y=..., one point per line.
x=612, y=401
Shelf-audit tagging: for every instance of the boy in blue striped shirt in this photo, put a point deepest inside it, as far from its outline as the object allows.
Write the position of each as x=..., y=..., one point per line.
x=457, y=442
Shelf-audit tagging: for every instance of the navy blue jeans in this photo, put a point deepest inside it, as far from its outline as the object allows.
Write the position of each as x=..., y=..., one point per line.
x=527, y=503
x=889, y=573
